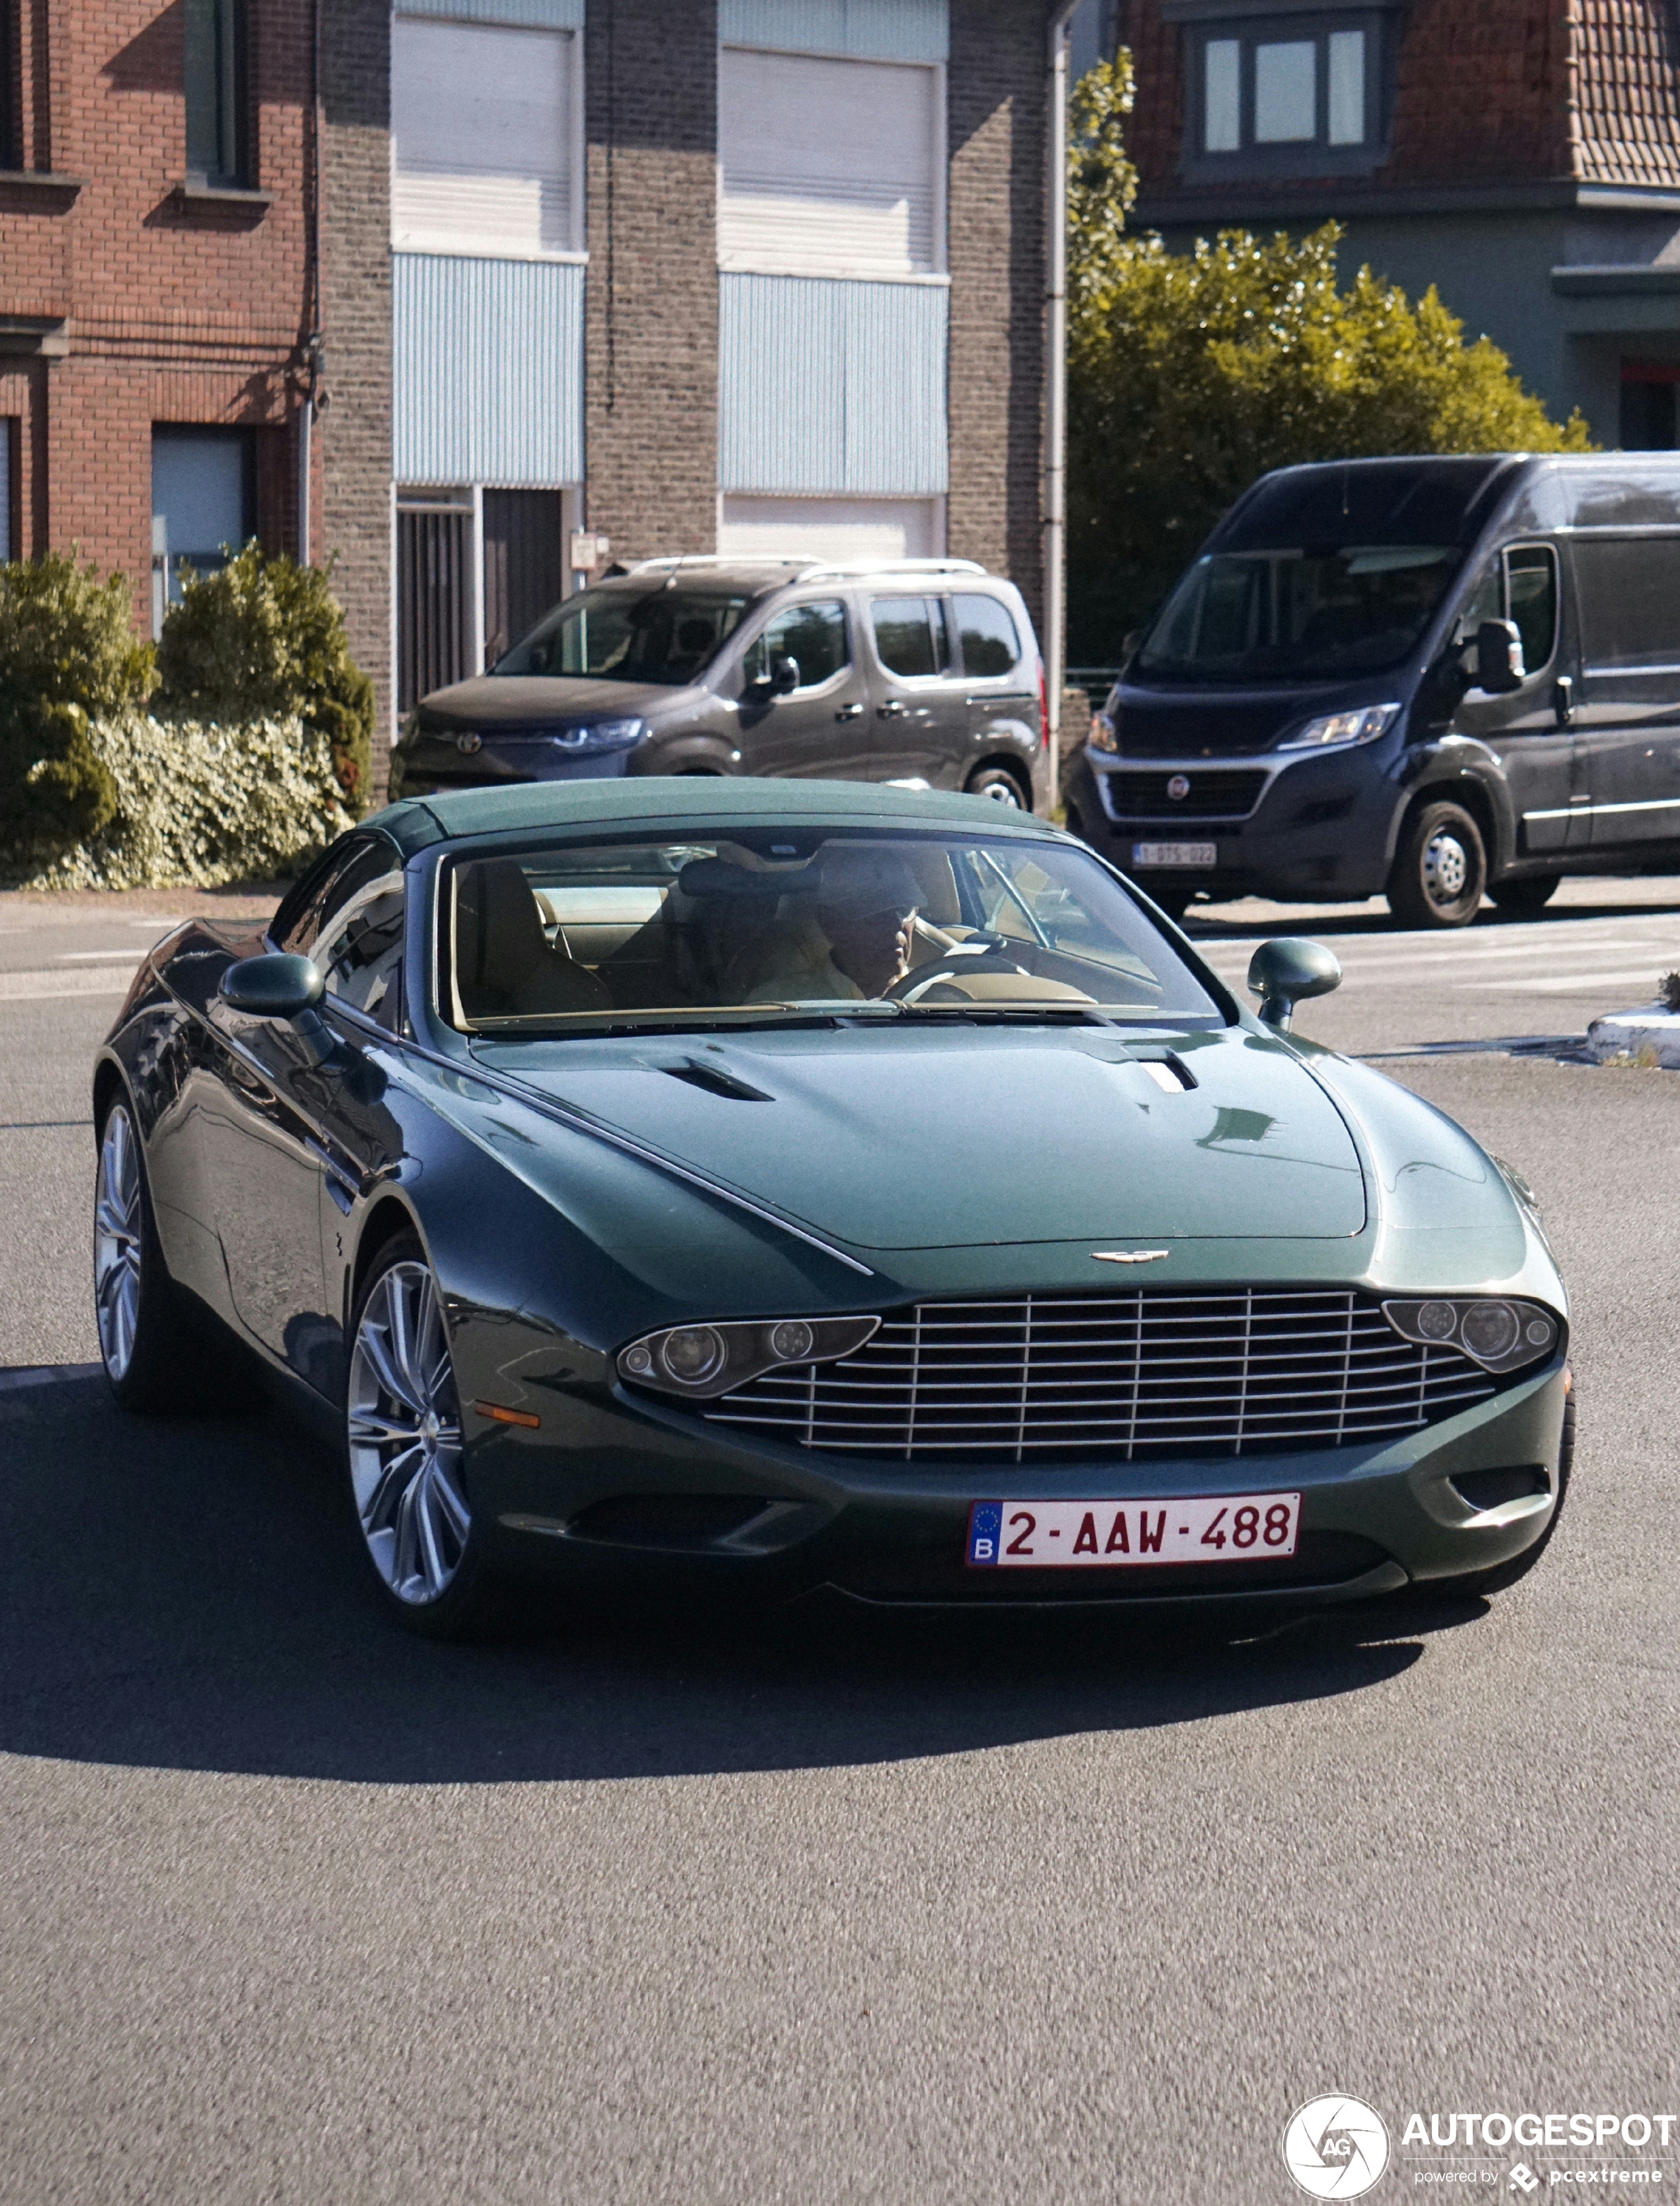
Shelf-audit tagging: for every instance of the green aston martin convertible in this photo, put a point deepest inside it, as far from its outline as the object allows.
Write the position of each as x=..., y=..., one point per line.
x=773, y=1185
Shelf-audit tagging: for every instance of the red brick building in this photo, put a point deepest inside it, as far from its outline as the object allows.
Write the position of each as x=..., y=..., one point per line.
x=1523, y=154
x=187, y=195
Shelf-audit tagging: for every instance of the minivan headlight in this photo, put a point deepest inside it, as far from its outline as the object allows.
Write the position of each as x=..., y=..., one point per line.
x=1498, y=1333
x=1362, y=726
x=600, y=735
x=702, y=1361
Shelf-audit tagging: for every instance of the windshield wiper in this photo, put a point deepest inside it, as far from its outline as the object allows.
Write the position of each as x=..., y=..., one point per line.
x=999, y=1014
x=539, y=1027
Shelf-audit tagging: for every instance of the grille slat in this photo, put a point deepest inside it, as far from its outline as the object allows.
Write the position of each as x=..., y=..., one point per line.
x=1128, y=1376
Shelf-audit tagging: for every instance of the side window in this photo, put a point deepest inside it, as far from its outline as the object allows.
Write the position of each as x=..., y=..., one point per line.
x=814, y=634
x=298, y=922
x=1531, y=591
x=910, y=636
x=1627, y=586
x=990, y=644
x=358, y=949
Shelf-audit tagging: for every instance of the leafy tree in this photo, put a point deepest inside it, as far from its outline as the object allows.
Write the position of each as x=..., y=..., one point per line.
x=68, y=650
x=265, y=637
x=1189, y=374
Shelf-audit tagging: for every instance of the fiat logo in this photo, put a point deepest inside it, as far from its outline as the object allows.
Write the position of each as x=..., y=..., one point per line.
x=467, y=744
x=1179, y=787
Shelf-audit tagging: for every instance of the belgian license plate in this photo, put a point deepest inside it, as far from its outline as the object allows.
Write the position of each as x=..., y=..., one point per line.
x=1212, y=1528
x=1175, y=854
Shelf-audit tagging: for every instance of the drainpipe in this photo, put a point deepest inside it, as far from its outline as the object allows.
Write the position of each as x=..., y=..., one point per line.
x=1056, y=390
x=312, y=289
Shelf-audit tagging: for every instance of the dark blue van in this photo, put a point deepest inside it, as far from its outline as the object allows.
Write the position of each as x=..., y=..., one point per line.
x=1429, y=678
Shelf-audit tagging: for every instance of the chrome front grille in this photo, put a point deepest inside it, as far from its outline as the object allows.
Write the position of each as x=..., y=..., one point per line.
x=1119, y=1376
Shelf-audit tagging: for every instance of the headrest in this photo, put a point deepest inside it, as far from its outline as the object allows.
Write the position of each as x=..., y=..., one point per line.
x=721, y=877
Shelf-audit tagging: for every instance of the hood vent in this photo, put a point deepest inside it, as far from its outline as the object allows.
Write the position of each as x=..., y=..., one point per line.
x=716, y=1079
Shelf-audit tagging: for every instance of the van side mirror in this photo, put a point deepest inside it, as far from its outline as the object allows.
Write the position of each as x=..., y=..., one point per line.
x=784, y=677
x=1285, y=971
x=1500, y=667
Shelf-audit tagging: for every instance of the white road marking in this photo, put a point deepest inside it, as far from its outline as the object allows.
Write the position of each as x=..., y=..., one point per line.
x=1576, y=983
x=22, y=987
x=97, y=957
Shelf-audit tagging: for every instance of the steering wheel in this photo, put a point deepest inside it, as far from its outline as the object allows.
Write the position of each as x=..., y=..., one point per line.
x=907, y=989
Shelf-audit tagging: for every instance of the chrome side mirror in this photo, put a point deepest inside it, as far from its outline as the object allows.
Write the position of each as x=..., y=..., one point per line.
x=281, y=985
x=1285, y=971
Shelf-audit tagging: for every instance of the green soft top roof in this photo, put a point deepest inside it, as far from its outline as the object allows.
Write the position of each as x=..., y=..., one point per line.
x=683, y=800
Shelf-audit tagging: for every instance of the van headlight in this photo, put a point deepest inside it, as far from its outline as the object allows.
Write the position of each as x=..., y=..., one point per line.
x=1499, y=1334
x=600, y=736
x=702, y=1361
x=1331, y=730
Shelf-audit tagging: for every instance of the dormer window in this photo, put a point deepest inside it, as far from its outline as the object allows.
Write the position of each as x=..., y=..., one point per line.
x=1294, y=94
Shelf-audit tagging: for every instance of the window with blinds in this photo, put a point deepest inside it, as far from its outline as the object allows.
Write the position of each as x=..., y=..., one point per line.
x=483, y=118
x=829, y=167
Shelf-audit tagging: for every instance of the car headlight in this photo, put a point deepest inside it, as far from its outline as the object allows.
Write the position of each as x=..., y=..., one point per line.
x=1102, y=736
x=1333, y=729
x=701, y=1360
x=1500, y=1335
x=600, y=735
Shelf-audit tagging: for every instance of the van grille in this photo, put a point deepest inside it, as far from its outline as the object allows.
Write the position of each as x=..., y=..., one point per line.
x=1125, y=1376
x=1221, y=795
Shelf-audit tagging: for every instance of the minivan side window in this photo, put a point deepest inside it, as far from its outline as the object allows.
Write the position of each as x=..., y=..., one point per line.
x=814, y=634
x=1630, y=592
x=990, y=644
x=910, y=636
x=1531, y=590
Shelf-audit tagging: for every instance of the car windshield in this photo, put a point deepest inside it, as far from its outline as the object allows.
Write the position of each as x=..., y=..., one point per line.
x=775, y=925
x=1311, y=611
x=630, y=635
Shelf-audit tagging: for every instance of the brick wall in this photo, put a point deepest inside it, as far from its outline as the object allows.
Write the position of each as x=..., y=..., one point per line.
x=997, y=229
x=650, y=93
x=185, y=311
x=354, y=432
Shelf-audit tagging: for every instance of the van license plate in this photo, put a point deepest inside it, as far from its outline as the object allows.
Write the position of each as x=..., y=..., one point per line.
x=1212, y=1528
x=1175, y=854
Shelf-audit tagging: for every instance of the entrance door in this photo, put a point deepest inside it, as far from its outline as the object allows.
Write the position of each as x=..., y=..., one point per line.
x=434, y=597
x=1628, y=722
x=524, y=564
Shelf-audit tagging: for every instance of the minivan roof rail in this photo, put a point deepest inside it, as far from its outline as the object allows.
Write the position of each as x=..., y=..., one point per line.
x=894, y=566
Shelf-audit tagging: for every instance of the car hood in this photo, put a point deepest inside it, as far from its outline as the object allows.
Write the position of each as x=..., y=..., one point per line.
x=518, y=702
x=969, y=1136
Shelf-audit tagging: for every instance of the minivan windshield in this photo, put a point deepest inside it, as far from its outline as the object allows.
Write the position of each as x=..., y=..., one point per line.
x=1306, y=612
x=804, y=925
x=646, y=634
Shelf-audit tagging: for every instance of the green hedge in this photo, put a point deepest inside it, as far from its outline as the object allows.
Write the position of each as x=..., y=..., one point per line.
x=197, y=804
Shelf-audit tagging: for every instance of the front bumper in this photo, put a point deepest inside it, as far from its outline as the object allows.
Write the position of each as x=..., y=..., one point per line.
x=1322, y=831
x=619, y=1495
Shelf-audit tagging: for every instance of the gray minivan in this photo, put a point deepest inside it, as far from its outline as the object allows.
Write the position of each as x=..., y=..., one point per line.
x=921, y=671
x=1428, y=677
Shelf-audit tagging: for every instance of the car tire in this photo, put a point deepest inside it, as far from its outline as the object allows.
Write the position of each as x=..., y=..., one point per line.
x=145, y=1333
x=1440, y=868
x=403, y=1447
x=1002, y=785
x=1476, y=1585
x=1525, y=898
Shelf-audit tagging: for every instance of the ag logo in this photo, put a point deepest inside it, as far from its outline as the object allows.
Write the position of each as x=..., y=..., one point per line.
x=1179, y=787
x=1335, y=2147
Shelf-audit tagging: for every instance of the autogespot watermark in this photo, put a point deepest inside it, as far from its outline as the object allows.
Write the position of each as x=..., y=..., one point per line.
x=1339, y=2147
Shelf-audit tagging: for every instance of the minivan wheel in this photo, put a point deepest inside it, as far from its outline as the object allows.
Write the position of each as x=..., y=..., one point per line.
x=1440, y=868
x=1001, y=785
x=1525, y=898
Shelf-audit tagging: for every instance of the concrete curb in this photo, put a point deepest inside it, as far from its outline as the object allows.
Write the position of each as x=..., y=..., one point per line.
x=1650, y=1036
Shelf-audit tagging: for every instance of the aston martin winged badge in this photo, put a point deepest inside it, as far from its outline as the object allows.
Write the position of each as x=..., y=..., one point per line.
x=1129, y=1255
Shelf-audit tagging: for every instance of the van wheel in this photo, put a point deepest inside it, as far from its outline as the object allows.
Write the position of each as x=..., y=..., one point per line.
x=1002, y=786
x=1525, y=899
x=1440, y=868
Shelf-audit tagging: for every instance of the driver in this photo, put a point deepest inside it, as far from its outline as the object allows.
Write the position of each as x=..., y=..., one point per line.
x=857, y=942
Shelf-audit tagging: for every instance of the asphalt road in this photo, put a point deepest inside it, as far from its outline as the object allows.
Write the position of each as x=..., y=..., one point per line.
x=294, y=1909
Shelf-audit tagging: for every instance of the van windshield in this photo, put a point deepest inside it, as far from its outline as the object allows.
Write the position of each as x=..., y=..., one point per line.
x=634, y=635
x=1305, y=612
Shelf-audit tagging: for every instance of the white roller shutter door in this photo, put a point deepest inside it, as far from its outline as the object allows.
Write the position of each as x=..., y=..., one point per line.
x=830, y=167
x=482, y=121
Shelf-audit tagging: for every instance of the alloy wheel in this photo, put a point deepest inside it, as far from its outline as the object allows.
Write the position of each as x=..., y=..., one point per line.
x=116, y=1244
x=405, y=1437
